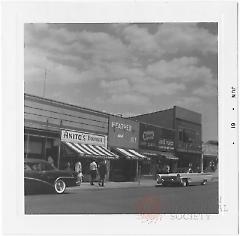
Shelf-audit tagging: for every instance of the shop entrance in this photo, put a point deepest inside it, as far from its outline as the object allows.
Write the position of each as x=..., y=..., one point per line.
x=123, y=170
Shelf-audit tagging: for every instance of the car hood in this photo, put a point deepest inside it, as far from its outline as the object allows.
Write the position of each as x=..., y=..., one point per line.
x=168, y=175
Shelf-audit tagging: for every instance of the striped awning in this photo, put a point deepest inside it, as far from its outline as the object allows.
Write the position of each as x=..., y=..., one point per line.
x=158, y=154
x=169, y=155
x=130, y=154
x=91, y=150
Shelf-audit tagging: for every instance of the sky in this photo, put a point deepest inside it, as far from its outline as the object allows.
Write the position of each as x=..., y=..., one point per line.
x=126, y=69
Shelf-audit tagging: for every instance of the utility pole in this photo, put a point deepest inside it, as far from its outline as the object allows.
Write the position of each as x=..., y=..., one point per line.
x=44, y=84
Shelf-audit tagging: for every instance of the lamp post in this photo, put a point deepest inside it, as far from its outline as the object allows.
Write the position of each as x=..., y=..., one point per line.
x=59, y=145
x=202, y=162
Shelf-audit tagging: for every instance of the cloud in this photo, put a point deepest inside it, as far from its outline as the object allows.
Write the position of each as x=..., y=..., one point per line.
x=94, y=45
x=190, y=102
x=187, y=37
x=117, y=86
x=140, y=40
x=160, y=78
x=157, y=88
x=207, y=91
x=130, y=99
x=36, y=62
x=169, y=39
x=182, y=69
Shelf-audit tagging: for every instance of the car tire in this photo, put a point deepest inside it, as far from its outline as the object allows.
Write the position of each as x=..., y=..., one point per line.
x=59, y=186
x=184, y=183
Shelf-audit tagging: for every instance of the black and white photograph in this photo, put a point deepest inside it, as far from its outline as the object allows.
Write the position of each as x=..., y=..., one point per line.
x=120, y=118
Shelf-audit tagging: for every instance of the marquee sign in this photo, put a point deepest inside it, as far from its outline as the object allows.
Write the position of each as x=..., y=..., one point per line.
x=83, y=138
x=155, y=138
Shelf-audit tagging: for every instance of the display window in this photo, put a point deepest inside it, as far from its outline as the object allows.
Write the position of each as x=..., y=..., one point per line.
x=40, y=147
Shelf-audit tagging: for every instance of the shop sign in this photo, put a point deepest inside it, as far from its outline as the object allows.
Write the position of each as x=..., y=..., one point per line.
x=189, y=147
x=83, y=138
x=148, y=135
x=123, y=132
x=155, y=138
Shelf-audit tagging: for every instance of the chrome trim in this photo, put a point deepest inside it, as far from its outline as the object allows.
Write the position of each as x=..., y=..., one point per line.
x=38, y=180
x=66, y=177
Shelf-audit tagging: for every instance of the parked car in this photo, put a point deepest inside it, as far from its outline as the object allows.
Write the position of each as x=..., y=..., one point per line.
x=40, y=176
x=183, y=177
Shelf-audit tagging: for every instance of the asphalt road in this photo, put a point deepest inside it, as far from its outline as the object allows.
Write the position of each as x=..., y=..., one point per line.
x=159, y=200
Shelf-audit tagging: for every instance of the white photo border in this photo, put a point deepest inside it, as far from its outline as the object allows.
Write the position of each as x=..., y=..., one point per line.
x=14, y=17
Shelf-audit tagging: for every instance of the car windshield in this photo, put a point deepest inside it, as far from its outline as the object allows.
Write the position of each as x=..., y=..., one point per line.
x=38, y=166
x=184, y=170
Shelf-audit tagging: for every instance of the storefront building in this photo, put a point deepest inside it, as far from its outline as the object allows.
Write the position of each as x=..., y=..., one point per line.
x=157, y=143
x=210, y=155
x=65, y=132
x=123, y=141
x=188, y=133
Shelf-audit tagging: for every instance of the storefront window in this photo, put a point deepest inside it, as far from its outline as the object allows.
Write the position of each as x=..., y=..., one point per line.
x=33, y=146
x=40, y=147
x=180, y=134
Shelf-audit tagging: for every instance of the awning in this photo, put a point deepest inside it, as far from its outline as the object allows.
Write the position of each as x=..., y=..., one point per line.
x=91, y=150
x=167, y=155
x=130, y=154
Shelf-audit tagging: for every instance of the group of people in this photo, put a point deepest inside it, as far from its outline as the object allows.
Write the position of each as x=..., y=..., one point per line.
x=95, y=169
x=100, y=169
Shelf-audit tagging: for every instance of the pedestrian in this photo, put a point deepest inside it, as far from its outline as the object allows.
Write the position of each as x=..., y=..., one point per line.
x=68, y=167
x=78, y=170
x=93, y=171
x=102, y=170
x=166, y=169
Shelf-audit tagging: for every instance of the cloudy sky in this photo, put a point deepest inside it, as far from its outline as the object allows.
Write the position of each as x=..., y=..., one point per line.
x=126, y=68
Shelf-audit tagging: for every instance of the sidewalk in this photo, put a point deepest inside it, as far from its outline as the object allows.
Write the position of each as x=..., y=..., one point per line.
x=214, y=176
x=136, y=184
x=111, y=185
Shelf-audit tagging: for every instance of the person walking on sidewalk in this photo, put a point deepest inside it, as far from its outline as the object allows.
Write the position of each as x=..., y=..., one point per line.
x=78, y=170
x=102, y=170
x=93, y=171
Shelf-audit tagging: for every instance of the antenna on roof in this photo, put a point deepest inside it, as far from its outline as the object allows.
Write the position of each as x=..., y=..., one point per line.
x=44, y=84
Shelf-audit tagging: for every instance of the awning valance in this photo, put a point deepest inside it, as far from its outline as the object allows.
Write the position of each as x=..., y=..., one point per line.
x=91, y=150
x=159, y=154
x=130, y=154
x=169, y=155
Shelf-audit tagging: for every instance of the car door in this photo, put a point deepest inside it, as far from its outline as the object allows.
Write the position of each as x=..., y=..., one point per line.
x=35, y=180
x=196, y=178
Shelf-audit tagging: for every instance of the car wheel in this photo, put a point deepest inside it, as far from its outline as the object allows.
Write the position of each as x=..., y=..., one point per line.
x=184, y=183
x=59, y=186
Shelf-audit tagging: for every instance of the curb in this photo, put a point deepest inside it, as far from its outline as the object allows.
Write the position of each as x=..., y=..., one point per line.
x=115, y=186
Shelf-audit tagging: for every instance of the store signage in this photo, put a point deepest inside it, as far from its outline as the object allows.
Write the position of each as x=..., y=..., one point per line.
x=148, y=135
x=189, y=147
x=123, y=132
x=156, y=138
x=122, y=126
x=83, y=138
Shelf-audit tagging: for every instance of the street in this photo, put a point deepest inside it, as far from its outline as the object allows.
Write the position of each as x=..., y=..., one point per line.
x=130, y=200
